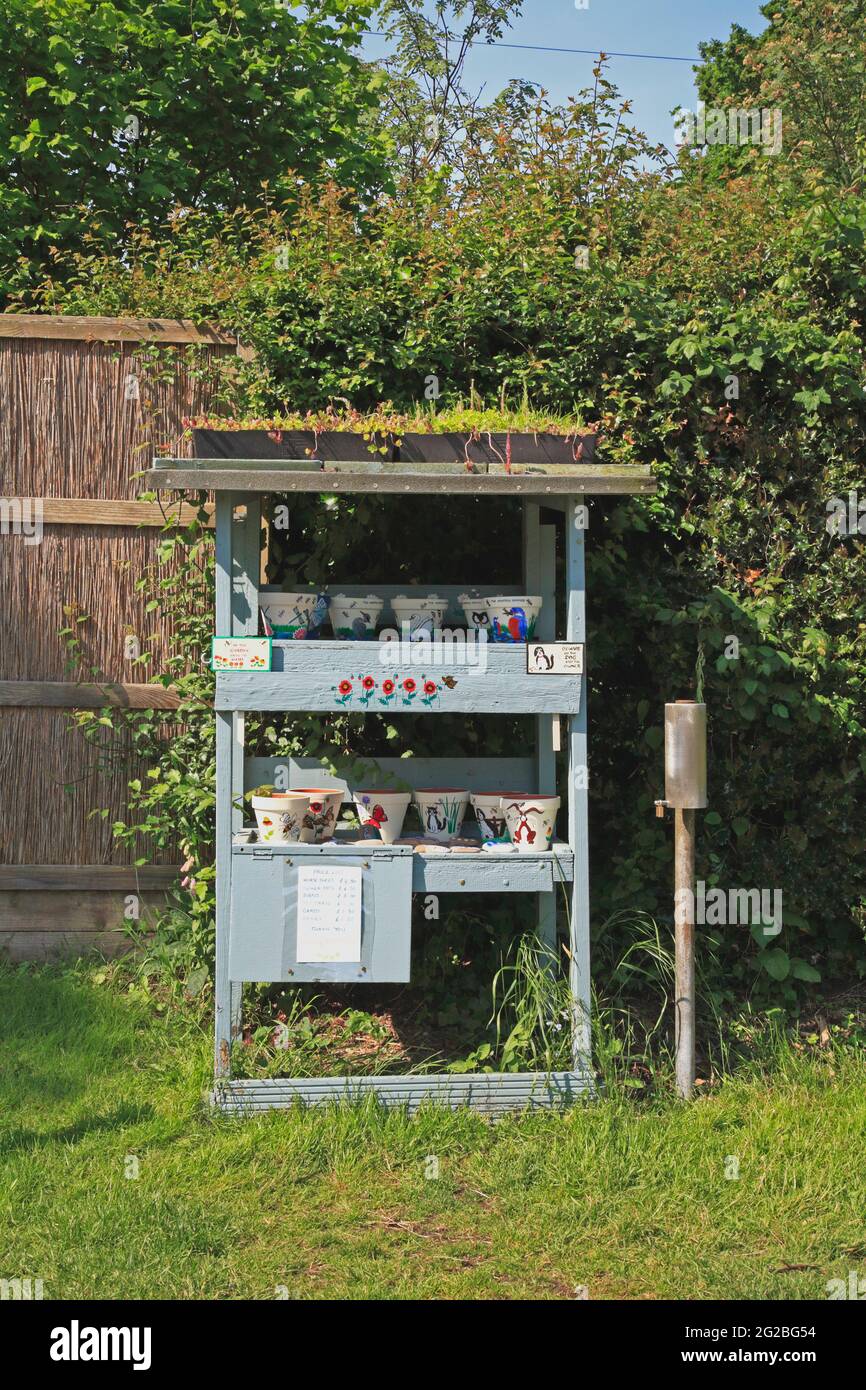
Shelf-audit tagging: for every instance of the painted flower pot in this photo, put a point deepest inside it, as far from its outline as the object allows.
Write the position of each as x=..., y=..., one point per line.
x=355, y=619
x=278, y=817
x=382, y=812
x=441, y=810
x=513, y=617
x=296, y=615
x=475, y=611
x=320, y=813
x=422, y=614
x=488, y=812
x=531, y=821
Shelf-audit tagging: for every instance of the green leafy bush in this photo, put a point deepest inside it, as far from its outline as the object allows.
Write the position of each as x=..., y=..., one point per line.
x=713, y=329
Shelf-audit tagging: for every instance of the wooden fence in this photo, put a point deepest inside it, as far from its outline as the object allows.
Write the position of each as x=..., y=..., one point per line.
x=80, y=414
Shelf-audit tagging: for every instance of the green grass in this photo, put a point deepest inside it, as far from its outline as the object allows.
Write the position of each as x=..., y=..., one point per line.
x=624, y=1195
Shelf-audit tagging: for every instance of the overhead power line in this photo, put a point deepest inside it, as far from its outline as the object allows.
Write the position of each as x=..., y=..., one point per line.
x=539, y=48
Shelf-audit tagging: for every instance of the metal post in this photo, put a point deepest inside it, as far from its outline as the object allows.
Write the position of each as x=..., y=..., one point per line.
x=685, y=791
x=684, y=938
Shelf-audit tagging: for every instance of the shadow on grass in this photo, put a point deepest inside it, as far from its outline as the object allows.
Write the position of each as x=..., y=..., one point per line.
x=123, y=1117
x=59, y=1034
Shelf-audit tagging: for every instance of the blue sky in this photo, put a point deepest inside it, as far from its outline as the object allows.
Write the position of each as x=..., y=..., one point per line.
x=654, y=87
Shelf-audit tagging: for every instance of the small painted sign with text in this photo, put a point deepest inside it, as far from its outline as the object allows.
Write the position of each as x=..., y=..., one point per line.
x=554, y=658
x=241, y=653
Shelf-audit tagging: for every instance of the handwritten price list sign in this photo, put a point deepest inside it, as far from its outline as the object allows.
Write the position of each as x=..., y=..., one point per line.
x=329, y=914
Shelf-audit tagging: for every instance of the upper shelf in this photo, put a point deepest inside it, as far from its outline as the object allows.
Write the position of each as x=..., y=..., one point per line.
x=477, y=479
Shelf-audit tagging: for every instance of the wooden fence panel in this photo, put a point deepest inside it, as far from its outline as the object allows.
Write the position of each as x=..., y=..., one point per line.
x=81, y=414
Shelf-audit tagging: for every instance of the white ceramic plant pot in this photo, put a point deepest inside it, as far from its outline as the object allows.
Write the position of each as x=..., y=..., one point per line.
x=423, y=614
x=442, y=810
x=382, y=812
x=531, y=821
x=513, y=617
x=475, y=612
x=320, y=813
x=296, y=615
x=279, y=817
x=488, y=812
x=355, y=619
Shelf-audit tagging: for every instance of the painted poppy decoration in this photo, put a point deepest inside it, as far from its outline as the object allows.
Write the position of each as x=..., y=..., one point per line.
x=368, y=683
x=409, y=685
x=430, y=687
x=345, y=687
x=388, y=687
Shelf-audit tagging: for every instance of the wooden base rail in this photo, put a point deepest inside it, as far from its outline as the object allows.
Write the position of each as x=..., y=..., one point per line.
x=98, y=511
x=70, y=695
x=73, y=878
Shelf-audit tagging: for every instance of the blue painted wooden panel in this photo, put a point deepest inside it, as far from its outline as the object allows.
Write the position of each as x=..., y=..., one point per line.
x=439, y=870
x=578, y=796
x=308, y=676
x=263, y=927
x=488, y=872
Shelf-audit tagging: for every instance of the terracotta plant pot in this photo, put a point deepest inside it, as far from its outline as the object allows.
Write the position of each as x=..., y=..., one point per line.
x=278, y=817
x=488, y=812
x=355, y=619
x=442, y=811
x=475, y=612
x=513, y=616
x=320, y=813
x=531, y=821
x=382, y=812
x=296, y=616
x=422, y=614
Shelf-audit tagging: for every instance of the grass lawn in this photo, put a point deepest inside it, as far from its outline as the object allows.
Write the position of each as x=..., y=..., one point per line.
x=626, y=1196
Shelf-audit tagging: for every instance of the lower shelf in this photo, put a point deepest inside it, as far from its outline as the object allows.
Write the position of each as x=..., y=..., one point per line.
x=489, y=1093
x=439, y=869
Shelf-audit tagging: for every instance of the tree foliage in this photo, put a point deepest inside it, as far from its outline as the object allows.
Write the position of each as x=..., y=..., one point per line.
x=810, y=63
x=117, y=111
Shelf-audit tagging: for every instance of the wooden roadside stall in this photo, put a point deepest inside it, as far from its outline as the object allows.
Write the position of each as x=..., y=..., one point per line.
x=80, y=415
x=303, y=899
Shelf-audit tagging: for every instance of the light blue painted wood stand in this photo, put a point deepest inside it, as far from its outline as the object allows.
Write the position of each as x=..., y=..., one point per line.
x=255, y=883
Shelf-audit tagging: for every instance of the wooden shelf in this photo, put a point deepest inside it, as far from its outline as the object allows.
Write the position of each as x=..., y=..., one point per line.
x=530, y=480
x=439, y=869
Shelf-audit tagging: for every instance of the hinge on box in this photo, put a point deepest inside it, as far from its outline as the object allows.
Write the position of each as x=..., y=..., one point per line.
x=263, y=854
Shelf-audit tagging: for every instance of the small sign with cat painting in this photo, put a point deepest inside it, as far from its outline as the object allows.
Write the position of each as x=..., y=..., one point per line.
x=554, y=658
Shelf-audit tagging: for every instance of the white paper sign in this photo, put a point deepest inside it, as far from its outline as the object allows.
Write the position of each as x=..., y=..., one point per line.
x=329, y=914
x=554, y=658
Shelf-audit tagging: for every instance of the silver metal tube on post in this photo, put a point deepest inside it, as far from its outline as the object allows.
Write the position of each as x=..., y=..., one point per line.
x=686, y=792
